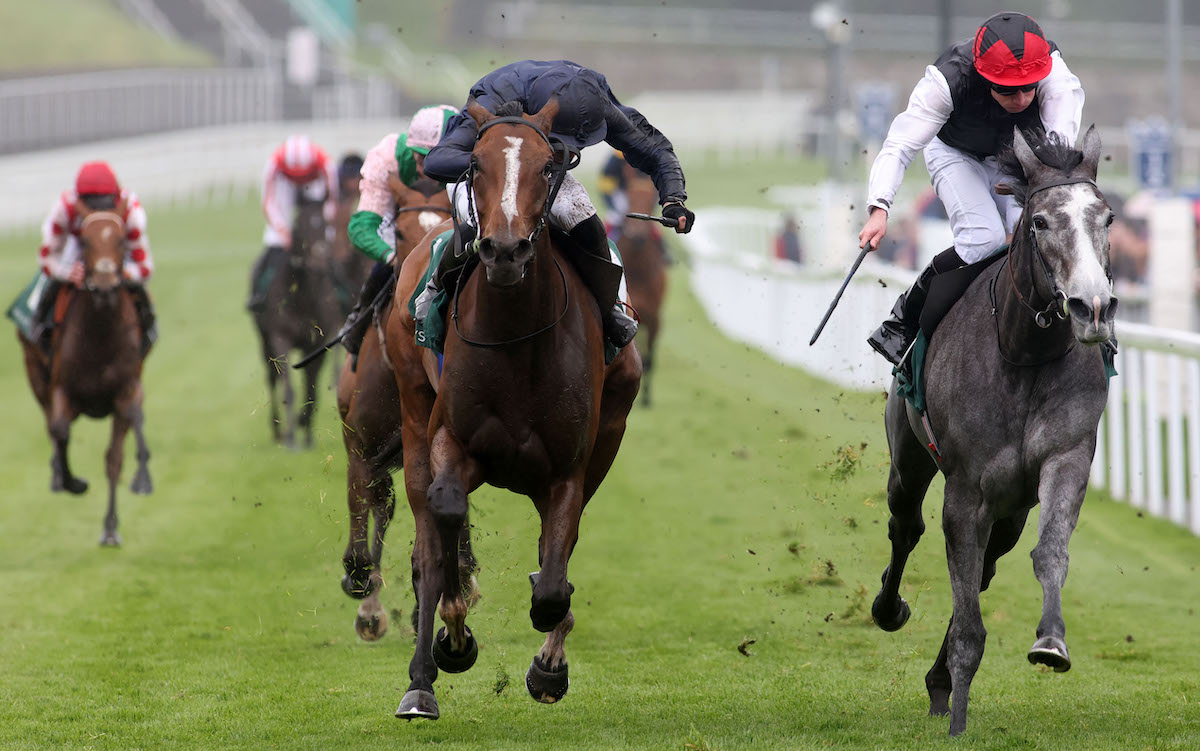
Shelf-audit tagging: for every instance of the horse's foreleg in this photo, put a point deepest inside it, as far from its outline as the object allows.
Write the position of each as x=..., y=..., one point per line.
x=547, y=677
x=454, y=473
x=1061, y=489
x=114, y=459
x=289, y=406
x=908, y=480
x=141, y=480
x=58, y=424
x=312, y=372
x=967, y=531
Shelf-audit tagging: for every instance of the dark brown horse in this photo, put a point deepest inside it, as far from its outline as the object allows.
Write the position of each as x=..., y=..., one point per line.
x=644, y=258
x=370, y=408
x=301, y=311
x=524, y=402
x=350, y=267
x=95, y=368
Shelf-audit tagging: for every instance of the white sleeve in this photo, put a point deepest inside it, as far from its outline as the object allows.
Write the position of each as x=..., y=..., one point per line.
x=55, y=230
x=1061, y=98
x=929, y=108
x=278, y=199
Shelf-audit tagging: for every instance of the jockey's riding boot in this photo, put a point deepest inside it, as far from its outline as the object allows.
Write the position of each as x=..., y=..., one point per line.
x=355, y=327
x=603, y=278
x=453, y=258
x=893, y=338
x=43, y=315
x=147, y=321
x=260, y=278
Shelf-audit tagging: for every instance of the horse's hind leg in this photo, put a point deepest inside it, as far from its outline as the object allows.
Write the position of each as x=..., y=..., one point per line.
x=114, y=459
x=311, y=372
x=1005, y=534
x=1061, y=489
x=967, y=533
x=58, y=423
x=911, y=471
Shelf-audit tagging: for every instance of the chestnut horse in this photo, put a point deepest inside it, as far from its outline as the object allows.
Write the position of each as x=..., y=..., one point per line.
x=370, y=408
x=95, y=368
x=524, y=401
x=301, y=311
x=644, y=258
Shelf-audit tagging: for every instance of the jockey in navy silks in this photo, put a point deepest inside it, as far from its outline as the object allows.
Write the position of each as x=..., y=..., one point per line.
x=588, y=114
x=962, y=113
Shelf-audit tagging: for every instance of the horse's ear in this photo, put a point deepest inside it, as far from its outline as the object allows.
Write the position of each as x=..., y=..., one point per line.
x=122, y=207
x=396, y=185
x=544, y=118
x=1003, y=189
x=1029, y=161
x=1091, y=151
x=478, y=113
x=81, y=208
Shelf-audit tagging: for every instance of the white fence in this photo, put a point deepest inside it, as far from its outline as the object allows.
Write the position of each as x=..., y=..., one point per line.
x=1149, y=449
x=186, y=166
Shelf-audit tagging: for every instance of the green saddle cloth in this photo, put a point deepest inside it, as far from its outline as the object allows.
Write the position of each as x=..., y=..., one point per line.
x=910, y=382
x=431, y=332
x=21, y=310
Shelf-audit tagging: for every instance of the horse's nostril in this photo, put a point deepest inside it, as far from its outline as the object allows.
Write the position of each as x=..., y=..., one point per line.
x=1079, y=309
x=1110, y=310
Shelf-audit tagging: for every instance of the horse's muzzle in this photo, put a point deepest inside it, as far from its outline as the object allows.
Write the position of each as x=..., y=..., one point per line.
x=1092, y=321
x=505, y=260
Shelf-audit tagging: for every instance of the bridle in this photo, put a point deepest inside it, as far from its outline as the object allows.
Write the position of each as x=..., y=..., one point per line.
x=104, y=263
x=567, y=158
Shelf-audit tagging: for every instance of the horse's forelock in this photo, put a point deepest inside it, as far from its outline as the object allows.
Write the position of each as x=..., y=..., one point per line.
x=1053, y=152
x=509, y=109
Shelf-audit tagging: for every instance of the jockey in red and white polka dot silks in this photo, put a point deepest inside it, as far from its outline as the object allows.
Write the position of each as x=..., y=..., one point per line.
x=297, y=168
x=59, y=255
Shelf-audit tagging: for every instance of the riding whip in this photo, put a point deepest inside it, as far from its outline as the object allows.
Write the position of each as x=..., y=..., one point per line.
x=369, y=310
x=664, y=221
x=857, y=262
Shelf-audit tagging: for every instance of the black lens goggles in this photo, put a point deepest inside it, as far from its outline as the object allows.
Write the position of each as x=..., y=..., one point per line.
x=1010, y=90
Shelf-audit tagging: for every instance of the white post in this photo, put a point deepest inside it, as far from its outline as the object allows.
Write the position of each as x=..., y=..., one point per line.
x=1137, y=437
x=1193, y=384
x=1171, y=271
x=1175, y=456
x=1153, y=427
x=1116, y=430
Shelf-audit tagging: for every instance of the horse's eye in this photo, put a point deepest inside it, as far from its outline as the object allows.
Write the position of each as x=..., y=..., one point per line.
x=1039, y=223
x=1111, y=217
x=548, y=170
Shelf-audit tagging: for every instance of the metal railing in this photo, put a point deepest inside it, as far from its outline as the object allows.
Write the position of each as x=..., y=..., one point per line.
x=1149, y=438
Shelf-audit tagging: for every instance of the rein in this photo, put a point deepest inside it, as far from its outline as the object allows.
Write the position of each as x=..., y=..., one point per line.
x=440, y=209
x=490, y=345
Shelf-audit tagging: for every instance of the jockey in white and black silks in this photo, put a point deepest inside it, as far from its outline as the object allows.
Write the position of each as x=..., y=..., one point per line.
x=372, y=225
x=588, y=113
x=61, y=258
x=298, y=170
x=962, y=113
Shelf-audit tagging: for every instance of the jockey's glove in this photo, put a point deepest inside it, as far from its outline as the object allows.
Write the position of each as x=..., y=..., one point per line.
x=677, y=211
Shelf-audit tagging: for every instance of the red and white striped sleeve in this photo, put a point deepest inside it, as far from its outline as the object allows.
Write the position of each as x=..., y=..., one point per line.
x=273, y=199
x=55, y=230
x=139, y=264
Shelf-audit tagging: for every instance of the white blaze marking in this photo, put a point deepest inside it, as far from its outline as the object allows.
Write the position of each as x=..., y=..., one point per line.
x=429, y=219
x=512, y=168
x=1088, y=274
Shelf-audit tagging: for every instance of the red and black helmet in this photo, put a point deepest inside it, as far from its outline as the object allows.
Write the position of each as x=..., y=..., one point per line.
x=1011, y=50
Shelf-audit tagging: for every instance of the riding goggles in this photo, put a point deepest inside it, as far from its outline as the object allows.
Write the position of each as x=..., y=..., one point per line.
x=1010, y=90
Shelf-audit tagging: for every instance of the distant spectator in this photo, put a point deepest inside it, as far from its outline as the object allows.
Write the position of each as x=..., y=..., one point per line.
x=787, y=242
x=1129, y=246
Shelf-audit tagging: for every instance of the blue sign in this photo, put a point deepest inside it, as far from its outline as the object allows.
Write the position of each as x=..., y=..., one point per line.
x=876, y=106
x=1150, y=143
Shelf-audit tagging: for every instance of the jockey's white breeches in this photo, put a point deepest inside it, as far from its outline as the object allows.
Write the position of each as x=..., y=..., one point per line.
x=979, y=218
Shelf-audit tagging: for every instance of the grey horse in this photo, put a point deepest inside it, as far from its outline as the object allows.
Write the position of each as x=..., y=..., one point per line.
x=1013, y=402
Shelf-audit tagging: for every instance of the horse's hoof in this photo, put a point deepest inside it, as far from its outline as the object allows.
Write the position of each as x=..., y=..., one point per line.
x=142, y=484
x=110, y=540
x=544, y=685
x=1052, y=651
x=887, y=620
x=371, y=628
x=73, y=485
x=450, y=661
x=418, y=704
x=358, y=588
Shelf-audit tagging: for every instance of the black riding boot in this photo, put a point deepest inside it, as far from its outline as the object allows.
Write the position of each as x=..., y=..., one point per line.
x=355, y=327
x=147, y=320
x=897, y=333
x=590, y=237
x=43, y=315
x=260, y=278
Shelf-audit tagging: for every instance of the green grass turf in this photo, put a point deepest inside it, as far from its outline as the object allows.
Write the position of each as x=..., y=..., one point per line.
x=220, y=623
x=51, y=35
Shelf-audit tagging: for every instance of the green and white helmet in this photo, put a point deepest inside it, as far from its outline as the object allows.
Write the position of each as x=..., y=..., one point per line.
x=427, y=126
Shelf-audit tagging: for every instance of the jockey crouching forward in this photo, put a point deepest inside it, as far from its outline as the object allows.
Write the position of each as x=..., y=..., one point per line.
x=372, y=226
x=588, y=114
x=61, y=258
x=298, y=170
x=962, y=113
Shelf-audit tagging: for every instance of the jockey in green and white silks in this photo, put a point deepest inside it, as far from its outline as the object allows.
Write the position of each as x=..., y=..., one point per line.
x=372, y=227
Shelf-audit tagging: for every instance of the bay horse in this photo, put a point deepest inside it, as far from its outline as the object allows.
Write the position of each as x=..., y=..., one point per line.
x=350, y=267
x=524, y=400
x=1014, y=397
x=645, y=259
x=301, y=310
x=369, y=405
x=95, y=365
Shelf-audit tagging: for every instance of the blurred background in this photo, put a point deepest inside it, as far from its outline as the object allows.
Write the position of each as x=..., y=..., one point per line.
x=776, y=108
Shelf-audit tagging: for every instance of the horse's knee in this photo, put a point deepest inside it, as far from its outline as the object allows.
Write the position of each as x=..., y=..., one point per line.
x=906, y=532
x=1050, y=564
x=448, y=501
x=550, y=603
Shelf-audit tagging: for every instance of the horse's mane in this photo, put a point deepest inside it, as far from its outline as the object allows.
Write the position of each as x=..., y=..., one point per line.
x=509, y=109
x=428, y=187
x=1051, y=149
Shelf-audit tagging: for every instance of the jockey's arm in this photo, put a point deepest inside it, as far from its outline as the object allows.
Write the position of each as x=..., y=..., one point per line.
x=929, y=107
x=139, y=264
x=278, y=198
x=447, y=161
x=1060, y=97
x=647, y=149
x=375, y=200
x=55, y=230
